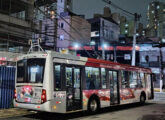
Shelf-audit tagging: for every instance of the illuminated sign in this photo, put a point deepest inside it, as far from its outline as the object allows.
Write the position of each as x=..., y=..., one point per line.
x=95, y=34
x=127, y=57
x=2, y=60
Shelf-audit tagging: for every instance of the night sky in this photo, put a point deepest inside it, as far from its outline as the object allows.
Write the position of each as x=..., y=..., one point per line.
x=89, y=7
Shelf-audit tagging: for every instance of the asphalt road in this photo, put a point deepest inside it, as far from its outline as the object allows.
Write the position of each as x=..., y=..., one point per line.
x=149, y=111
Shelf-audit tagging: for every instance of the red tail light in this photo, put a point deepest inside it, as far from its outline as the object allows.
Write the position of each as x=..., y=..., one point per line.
x=43, y=96
x=15, y=94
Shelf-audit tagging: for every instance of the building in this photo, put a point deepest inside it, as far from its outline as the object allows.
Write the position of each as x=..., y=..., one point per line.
x=104, y=28
x=16, y=23
x=116, y=17
x=151, y=57
x=156, y=20
x=64, y=6
x=19, y=24
x=72, y=29
x=127, y=27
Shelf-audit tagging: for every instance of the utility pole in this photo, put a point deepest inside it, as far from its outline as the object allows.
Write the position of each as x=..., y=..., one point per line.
x=137, y=17
x=102, y=43
x=161, y=69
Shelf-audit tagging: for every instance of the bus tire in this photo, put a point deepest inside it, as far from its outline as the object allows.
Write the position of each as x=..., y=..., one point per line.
x=142, y=98
x=93, y=105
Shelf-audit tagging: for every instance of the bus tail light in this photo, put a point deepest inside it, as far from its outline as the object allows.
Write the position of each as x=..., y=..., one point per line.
x=15, y=94
x=43, y=96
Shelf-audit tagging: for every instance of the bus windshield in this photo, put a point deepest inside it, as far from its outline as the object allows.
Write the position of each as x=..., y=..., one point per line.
x=30, y=70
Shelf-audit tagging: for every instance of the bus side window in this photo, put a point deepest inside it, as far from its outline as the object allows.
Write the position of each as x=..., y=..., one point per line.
x=148, y=79
x=103, y=78
x=141, y=80
x=124, y=79
x=92, y=78
x=57, y=77
x=133, y=80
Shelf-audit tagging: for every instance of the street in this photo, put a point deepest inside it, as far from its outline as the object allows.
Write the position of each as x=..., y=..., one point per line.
x=150, y=111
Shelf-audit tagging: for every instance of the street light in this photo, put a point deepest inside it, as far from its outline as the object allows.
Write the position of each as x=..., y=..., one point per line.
x=103, y=46
x=92, y=43
x=76, y=47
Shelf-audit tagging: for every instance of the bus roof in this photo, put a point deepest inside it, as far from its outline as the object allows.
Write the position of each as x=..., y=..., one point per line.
x=115, y=65
x=89, y=61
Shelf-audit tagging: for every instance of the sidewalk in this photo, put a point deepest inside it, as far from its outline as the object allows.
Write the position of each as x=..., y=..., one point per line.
x=159, y=97
x=4, y=113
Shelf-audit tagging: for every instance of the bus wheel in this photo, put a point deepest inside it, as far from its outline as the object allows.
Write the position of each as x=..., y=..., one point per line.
x=142, y=98
x=93, y=105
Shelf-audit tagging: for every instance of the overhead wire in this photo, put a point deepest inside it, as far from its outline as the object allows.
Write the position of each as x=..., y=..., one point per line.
x=68, y=24
x=74, y=28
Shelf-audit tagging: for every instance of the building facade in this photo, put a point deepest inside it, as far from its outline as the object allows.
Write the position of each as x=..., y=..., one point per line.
x=72, y=29
x=16, y=23
x=64, y=6
x=156, y=20
x=104, y=29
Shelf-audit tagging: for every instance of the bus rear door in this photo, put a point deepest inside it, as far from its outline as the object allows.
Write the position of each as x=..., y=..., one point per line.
x=73, y=88
x=114, y=87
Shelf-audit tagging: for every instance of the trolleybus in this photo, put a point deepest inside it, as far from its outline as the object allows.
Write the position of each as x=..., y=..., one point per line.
x=54, y=82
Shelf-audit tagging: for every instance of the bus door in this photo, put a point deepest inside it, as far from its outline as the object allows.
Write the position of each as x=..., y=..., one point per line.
x=114, y=87
x=73, y=88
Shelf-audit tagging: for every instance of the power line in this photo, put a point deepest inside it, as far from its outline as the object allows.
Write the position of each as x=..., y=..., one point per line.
x=110, y=3
x=65, y=30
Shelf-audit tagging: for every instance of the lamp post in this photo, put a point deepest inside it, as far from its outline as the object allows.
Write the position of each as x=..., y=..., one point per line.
x=76, y=46
x=103, y=46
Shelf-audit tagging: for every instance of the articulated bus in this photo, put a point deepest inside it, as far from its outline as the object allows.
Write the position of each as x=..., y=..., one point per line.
x=60, y=83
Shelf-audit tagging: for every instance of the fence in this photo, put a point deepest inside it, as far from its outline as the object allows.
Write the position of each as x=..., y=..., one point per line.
x=7, y=85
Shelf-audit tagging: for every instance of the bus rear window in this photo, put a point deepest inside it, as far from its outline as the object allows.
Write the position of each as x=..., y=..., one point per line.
x=30, y=70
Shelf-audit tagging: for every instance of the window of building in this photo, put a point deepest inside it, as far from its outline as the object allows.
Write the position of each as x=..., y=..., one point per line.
x=158, y=58
x=111, y=35
x=124, y=79
x=147, y=58
x=46, y=27
x=133, y=79
x=103, y=23
x=126, y=31
x=92, y=78
x=61, y=37
x=103, y=78
x=62, y=25
x=57, y=77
